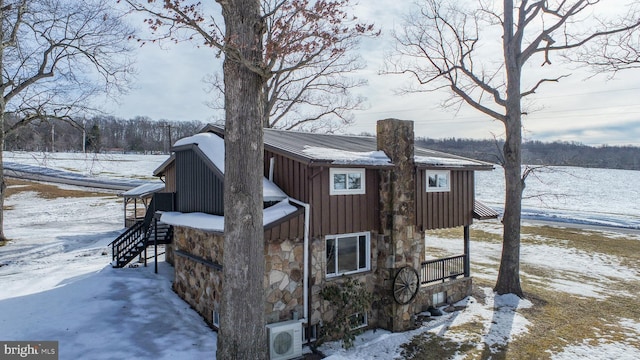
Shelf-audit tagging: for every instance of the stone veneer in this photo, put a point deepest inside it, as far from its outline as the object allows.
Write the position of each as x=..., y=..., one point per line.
x=455, y=290
x=199, y=283
x=320, y=310
x=400, y=244
x=198, y=276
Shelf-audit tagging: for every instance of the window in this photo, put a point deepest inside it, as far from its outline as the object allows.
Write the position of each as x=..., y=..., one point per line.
x=439, y=298
x=358, y=321
x=438, y=180
x=216, y=319
x=347, y=254
x=346, y=181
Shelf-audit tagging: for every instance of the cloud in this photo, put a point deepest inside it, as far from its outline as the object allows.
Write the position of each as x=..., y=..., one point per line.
x=593, y=111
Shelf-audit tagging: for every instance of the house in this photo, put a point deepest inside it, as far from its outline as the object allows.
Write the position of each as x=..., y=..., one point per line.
x=334, y=206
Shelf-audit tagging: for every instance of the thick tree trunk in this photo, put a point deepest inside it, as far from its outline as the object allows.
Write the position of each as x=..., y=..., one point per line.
x=509, y=273
x=3, y=185
x=242, y=328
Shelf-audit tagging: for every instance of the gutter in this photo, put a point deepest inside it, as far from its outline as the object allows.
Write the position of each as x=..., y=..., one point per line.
x=305, y=292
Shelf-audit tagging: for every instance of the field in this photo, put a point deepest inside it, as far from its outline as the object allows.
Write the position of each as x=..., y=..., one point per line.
x=581, y=290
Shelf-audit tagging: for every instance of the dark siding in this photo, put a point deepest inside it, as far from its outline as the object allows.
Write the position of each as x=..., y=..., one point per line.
x=290, y=175
x=198, y=188
x=292, y=227
x=437, y=210
x=336, y=214
x=170, y=178
x=340, y=214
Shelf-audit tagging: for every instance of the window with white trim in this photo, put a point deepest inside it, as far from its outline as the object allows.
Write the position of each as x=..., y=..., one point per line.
x=346, y=181
x=348, y=253
x=438, y=180
x=358, y=321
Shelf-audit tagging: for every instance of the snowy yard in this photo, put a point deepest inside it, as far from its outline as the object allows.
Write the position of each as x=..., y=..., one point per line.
x=57, y=284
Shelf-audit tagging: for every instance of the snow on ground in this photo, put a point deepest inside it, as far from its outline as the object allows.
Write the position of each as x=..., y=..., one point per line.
x=57, y=284
x=498, y=314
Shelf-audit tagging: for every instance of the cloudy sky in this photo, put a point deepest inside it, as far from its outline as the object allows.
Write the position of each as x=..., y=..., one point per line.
x=593, y=111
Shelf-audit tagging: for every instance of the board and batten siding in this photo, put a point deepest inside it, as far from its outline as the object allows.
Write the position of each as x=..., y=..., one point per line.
x=289, y=174
x=439, y=210
x=291, y=227
x=198, y=188
x=342, y=214
x=330, y=214
x=170, y=178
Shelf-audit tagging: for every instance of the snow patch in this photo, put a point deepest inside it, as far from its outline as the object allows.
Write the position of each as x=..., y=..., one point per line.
x=215, y=223
x=342, y=157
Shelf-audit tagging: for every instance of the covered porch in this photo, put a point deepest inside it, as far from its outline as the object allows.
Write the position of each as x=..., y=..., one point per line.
x=434, y=271
x=136, y=201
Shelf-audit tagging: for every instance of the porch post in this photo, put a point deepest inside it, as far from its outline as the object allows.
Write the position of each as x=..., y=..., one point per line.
x=467, y=263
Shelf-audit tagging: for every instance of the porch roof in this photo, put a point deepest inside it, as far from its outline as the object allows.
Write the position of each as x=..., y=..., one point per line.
x=143, y=191
x=483, y=212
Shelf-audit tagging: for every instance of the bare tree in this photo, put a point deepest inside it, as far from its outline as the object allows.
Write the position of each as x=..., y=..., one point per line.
x=447, y=45
x=55, y=55
x=310, y=54
x=246, y=70
x=242, y=332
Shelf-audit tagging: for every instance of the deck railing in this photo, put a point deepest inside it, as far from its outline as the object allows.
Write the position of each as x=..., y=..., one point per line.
x=442, y=269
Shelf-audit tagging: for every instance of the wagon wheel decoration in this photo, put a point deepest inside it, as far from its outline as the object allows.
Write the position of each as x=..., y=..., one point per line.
x=405, y=285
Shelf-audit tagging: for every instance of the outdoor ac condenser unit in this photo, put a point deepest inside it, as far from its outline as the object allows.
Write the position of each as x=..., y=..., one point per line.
x=285, y=340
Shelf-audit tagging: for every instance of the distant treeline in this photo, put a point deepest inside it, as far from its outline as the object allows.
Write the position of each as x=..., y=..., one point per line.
x=542, y=153
x=142, y=134
x=101, y=134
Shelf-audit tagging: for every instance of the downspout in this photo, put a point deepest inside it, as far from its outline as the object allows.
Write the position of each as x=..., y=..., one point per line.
x=305, y=290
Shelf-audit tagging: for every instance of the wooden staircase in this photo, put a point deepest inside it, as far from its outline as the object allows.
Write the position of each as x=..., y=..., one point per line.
x=134, y=241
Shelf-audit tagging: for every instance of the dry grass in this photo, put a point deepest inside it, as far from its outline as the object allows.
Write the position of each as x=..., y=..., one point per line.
x=47, y=191
x=558, y=319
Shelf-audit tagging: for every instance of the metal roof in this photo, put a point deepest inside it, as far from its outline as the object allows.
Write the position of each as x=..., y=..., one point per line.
x=295, y=144
x=143, y=191
x=483, y=212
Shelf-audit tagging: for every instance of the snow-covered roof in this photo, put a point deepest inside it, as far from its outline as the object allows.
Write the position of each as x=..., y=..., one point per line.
x=322, y=149
x=215, y=223
x=212, y=146
x=343, y=157
x=438, y=161
x=144, y=190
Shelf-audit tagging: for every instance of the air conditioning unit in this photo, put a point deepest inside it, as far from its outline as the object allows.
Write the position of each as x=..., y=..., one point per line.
x=285, y=340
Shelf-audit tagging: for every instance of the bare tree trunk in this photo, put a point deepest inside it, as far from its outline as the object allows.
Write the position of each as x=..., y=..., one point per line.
x=242, y=332
x=509, y=274
x=3, y=185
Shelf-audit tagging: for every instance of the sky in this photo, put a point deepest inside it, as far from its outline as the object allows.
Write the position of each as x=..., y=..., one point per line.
x=590, y=110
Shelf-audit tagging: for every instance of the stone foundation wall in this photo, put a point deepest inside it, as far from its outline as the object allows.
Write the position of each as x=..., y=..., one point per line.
x=320, y=309
x=456, y=290
x=199, y=283
x=198, y=274
x=284, y=273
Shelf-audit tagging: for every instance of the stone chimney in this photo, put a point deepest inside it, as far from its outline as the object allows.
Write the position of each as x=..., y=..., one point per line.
x=400, y=244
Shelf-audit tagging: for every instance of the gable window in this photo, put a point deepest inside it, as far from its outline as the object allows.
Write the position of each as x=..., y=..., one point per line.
x=438, y=180
x=346, y=181
x=347, y=254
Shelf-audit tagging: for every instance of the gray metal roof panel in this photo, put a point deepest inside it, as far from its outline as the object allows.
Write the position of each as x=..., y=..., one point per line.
x=294, y=143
